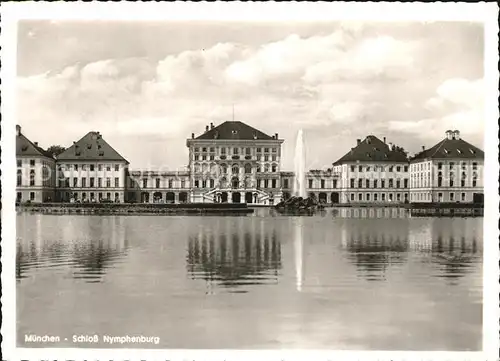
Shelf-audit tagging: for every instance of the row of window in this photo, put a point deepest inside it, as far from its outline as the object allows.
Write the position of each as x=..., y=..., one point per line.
x=91, y=167
x=170, y=183
x=428, y=197
x=100, y=196
x=452, y=183
x=92, y=182
x=235, y=169
x=20, y=163
x=375, y=197
x=235, y=183
x=451, y=165
x=235, y=150
x=380, y=168
x=368, y=184
x=266, y=158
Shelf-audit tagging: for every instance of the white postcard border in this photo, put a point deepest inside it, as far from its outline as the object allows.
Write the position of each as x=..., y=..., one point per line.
x=481, y=12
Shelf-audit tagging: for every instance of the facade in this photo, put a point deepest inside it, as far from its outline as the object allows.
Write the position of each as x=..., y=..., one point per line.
x=91, y=171
x=158, y=187
x=450, y=171
x=373, y=171
x=234, y=163
x=35, y=171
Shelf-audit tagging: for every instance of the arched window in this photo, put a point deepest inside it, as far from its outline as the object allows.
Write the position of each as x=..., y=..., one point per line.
x=223, y=168
x=204, y=168
x=266, y=168
x=248, y=168
x=235, y=169
x=196, y=168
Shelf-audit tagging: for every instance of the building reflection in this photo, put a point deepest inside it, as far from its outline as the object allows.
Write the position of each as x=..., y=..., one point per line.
x=374, y=245
x=370, y=212
x=235, y=257
x=92, y=245
x=453, y=246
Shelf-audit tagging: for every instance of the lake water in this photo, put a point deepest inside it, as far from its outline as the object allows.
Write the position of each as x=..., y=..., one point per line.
x=343, y=279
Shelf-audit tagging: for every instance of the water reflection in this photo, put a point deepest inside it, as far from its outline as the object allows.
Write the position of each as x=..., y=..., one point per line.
x=386, y=212
x=88, y=246
x=298, y=250
x=234, y=257
x=374, y=245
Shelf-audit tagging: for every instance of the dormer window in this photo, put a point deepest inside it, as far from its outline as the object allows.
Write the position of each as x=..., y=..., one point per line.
x=234, y=132
x=472, y=151
x=24, y=148
x=89, y=146
x=98, y=146
x=446, y=151
x=459, y=151
x=101, y=154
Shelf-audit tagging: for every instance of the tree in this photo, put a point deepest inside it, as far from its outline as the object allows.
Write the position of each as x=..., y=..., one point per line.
x=55, y=150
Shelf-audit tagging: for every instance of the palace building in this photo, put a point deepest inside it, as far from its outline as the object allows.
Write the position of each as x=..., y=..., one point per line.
x=450, y=171
x=158, y=187
x=373, y=171
x=234, y=163
x=35, y=171
x=91, y=170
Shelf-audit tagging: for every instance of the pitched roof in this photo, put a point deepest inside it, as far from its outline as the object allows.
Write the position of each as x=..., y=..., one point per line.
x=25, y=147
x=91, y=147
x=450, y=149
x=372, y=149
x=234, y=130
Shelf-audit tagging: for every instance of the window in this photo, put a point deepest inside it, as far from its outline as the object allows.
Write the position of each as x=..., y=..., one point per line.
x=352, y=168
x=352, y=182
x=248, y=151
x=117, y=182
x=84, y=182
x=390, y=183
x=273, y=183
x=360, y=183
x=464, y=165
x=383, y=197
x=266, y=183
x=406, y=168
x=92, y=195
x=99, y=167
x=84, y=166
x=203, y=157
x=19, y=177
x=285, y=183
x=440, y=179
x=382, y=183
x=462, y=182
x=368, y=169
x=452, y=176
x=440, y=197
x=92, y=180
x=212, y=157
x=266, y=150
x=32, y=162
x=368, y=196
x=32, y=177
x=108, y=167
x=273, y=150
x=235, y=151
x=367, y=183
x=32, y=196
x=273, y=158
x=334, y=183
x=266, y=158
x=463, y=197
x=360, y=168
x=398, y=183
x=391, y=168
x=258, y=183
x=375, y=197
x=144, y=183
x=360, y=197
x=390, y=197
x=183, y=183
x=196, y=183
x=405, y=182
x=474, y=165
x=248, y=168
x=322, y=183
x=274, y=168
x=352, y=196
x=203, y=183
x=259, y=150
x=398, y=197
x=223, y=151
x=212, y=149
x=310, y=183
x=452, y=165
x=170, y=183
x=440, y=165
x=19, y=163
x=375, y=181
x=108, y=195
x=204, y=149
x=157, y=182
x=117, y=167
x=398, y=169
x=452, y=197
x=75, y=182
x=235, y=169
x=91, y=167
x=196, y=157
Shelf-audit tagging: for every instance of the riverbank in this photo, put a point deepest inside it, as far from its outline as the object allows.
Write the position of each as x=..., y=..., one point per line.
x=136, y=208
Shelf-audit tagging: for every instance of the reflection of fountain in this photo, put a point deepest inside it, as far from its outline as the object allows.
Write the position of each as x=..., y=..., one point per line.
x=299, y=202
x=298, y=246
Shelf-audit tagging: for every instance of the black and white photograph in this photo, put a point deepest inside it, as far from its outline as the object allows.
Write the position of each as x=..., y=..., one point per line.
x=244, y=180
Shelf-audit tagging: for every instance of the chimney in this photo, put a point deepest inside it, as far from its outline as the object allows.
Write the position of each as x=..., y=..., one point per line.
x=390, y=146
x=384, y=140
x=276, y=135
x=18, y=130
x=211, y=125
x=449, y=134
x=358, y=141
x=36, y=144
x=206, y=128
x=456, y=134
x=423, y=147
x=192, y=135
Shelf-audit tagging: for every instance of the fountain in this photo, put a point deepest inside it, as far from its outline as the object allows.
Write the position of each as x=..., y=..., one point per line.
x=299, y=202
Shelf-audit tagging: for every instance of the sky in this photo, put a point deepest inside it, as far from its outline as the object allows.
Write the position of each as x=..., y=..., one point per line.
x=146, y=86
